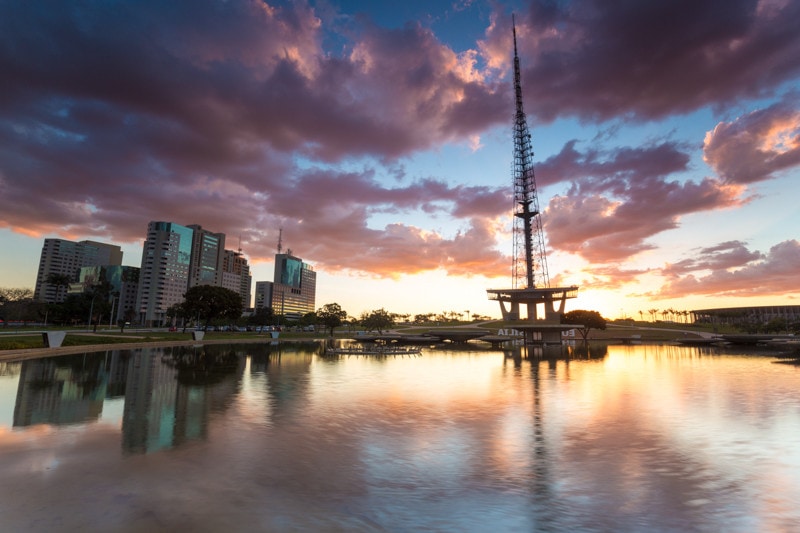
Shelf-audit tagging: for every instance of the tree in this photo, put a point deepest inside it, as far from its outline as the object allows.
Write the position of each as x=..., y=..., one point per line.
x=776, y=325
x=58, y=281
x=208, y=302
x=377, y=320
x=332, y=316
x=308, y=319
x=589, y=320
x=75, y=308
x=100, y=303
x=16, y=304
x=127, y=316
x=422, y=318
x=176, y=311
x=262, y=316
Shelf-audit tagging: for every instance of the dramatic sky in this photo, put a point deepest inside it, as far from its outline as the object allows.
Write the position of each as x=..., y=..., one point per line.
x=378, y=136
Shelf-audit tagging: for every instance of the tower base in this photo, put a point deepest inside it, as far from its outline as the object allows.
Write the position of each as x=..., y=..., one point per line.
x=511, y=301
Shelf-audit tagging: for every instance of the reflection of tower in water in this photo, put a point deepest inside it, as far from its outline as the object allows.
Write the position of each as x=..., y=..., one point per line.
x=548, y=511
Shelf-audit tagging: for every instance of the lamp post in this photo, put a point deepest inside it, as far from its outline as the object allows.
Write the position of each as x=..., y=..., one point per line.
x=91, y=310
x=111, y=316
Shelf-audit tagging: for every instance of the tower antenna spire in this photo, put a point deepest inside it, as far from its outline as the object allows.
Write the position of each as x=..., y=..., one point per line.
x=280, y=240
x=529, y=277
x=529, y=269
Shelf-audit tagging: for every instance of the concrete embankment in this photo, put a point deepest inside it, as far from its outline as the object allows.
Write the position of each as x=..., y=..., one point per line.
x=10, y=356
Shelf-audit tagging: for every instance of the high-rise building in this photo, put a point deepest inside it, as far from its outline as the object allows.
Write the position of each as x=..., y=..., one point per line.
x=235, y=274
x=263, y=294
x=65, y=258
x=176, y=258
x=164, y=276
x=294, y=289
x=208, y=255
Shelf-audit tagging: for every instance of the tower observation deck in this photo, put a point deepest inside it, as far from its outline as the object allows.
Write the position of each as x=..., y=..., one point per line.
x=530, y=279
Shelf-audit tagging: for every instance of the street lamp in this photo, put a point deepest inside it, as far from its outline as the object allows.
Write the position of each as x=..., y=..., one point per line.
x=111, y=316
x=91, y=311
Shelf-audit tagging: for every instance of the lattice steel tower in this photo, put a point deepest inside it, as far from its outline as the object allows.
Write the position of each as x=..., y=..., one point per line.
x=529, y=268
x=531, y=290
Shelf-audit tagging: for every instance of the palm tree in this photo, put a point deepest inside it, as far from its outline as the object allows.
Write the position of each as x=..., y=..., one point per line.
x=653, y=313
x=58, y=281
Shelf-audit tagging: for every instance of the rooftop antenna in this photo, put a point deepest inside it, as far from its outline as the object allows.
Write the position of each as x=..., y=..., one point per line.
x=280, y=240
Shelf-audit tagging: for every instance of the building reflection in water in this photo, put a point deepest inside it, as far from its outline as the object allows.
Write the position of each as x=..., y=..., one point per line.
x=170, y=394
x=286, y=368
x=69, y=389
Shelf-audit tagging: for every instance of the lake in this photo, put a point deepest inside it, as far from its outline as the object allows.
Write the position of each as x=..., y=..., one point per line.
x=281, y=438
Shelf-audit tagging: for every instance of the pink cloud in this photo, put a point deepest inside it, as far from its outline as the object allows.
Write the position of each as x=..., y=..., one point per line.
x=620, y=198
x=755, y=146
x=724, y=256
x=775, y=273
x=606, y=277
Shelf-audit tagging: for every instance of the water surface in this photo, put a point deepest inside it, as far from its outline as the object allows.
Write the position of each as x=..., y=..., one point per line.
x=279, y=438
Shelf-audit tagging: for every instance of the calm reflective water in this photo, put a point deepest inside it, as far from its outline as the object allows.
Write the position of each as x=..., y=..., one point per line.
x=279, y=438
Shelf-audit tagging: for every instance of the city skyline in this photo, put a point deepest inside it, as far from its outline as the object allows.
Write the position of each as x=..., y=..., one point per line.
x=379, y=138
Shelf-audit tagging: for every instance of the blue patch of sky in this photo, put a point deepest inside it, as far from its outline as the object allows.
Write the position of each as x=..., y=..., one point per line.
x=457, y=23
x=458, y=164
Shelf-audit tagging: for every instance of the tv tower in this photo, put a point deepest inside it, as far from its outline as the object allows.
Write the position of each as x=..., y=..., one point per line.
x=530, y=280
x=529, y=268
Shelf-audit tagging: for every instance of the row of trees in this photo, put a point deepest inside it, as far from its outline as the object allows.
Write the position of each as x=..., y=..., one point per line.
x=93, y=305
x=205, y=305
x=671, y=315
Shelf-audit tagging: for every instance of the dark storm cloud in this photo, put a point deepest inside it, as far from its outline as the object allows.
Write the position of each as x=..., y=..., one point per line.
x=114, y=114
x=599, y=60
